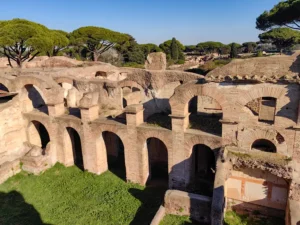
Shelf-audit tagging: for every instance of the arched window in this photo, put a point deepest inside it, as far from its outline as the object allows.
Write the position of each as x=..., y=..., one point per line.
x=264, y=145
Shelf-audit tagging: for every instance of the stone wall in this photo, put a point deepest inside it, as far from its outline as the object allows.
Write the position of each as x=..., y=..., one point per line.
x=12, y=131
x=186, y=204
x=258, y=188
x=99, y=101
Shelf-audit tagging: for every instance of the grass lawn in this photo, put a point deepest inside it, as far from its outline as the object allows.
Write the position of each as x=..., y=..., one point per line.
x=177, y=220
x=69, y=196
x=231, y=218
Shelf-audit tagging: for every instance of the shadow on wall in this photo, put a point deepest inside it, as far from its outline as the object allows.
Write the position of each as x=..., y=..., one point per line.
x=156, y=105
x=13, y=203
x=180, y=180
x=290, y=110
x=268, y=198
x=36, y=99
x=295, y=68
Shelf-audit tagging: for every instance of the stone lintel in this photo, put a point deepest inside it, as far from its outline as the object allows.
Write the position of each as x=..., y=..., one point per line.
x=226, y=121
x=134, y=109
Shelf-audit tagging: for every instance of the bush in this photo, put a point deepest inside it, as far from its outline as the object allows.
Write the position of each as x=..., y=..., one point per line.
x=180, y=61
x=133, y=65
x=259, y=54
x=209, y=66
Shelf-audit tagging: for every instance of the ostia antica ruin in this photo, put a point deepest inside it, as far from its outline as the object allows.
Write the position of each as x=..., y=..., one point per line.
x=235, y=131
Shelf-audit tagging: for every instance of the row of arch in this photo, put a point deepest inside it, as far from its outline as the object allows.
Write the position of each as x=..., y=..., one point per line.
x=194, y=89
x=178, y=101
x=202, y=157
x=202, y=161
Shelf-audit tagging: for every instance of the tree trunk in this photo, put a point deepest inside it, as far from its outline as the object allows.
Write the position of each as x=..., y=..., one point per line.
x=95, y=56
x=9, y=62
x=19, y=62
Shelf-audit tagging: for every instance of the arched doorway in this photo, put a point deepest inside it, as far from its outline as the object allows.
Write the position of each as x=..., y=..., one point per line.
x=263, y=145
x=158, y=162
x=203, y=168
x=76, y=147
x=124, y=103
x=115, y=154
x=205, y=114
x=38, y=135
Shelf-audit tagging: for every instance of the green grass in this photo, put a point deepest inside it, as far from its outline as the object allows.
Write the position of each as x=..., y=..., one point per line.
x=209, y=66
x=69, y=196
x=134, y=65
x=177, y=220
x=231, y=218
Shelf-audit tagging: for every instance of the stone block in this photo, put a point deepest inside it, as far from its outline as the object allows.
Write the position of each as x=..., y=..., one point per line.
x=181, y=203
x=156, y=61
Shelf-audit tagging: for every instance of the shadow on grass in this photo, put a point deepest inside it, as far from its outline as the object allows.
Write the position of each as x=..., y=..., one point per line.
x=15, y=210
x=151, y=198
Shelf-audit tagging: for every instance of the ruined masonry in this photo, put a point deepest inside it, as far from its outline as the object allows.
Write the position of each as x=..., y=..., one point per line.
x=230, y=139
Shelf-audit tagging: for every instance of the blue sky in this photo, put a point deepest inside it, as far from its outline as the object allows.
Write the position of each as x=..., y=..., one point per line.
x=149, y=21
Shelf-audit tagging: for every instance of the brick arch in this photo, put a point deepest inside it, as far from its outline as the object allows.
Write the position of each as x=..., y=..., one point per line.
x=50, y=91
x=261, y=91
x=130, y=83
x=76, y=125
x=164, y=138
x=45, y=124
x=184, y=93
x=98, y=149
x=270, y=135
x=21, y=81
x=113, y=129
x=36, y=137
x=64, y=80
x=66, y=152
x=213, y=143
x=143, y=153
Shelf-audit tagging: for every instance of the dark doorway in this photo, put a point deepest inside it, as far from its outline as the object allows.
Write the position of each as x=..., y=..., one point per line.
x=203, y=170
x=264, y=145
x=44, y=135
x=76, y=147
x=115, y=154
x=124, y=103
x=158, y=162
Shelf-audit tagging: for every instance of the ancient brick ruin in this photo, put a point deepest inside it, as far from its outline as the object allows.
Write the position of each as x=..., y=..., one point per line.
x=232, y=137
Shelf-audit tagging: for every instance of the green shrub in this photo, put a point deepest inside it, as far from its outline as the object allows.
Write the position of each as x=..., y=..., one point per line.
x=259, y=54
x=180, y=61
x=209, y=66
x=133, y=65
